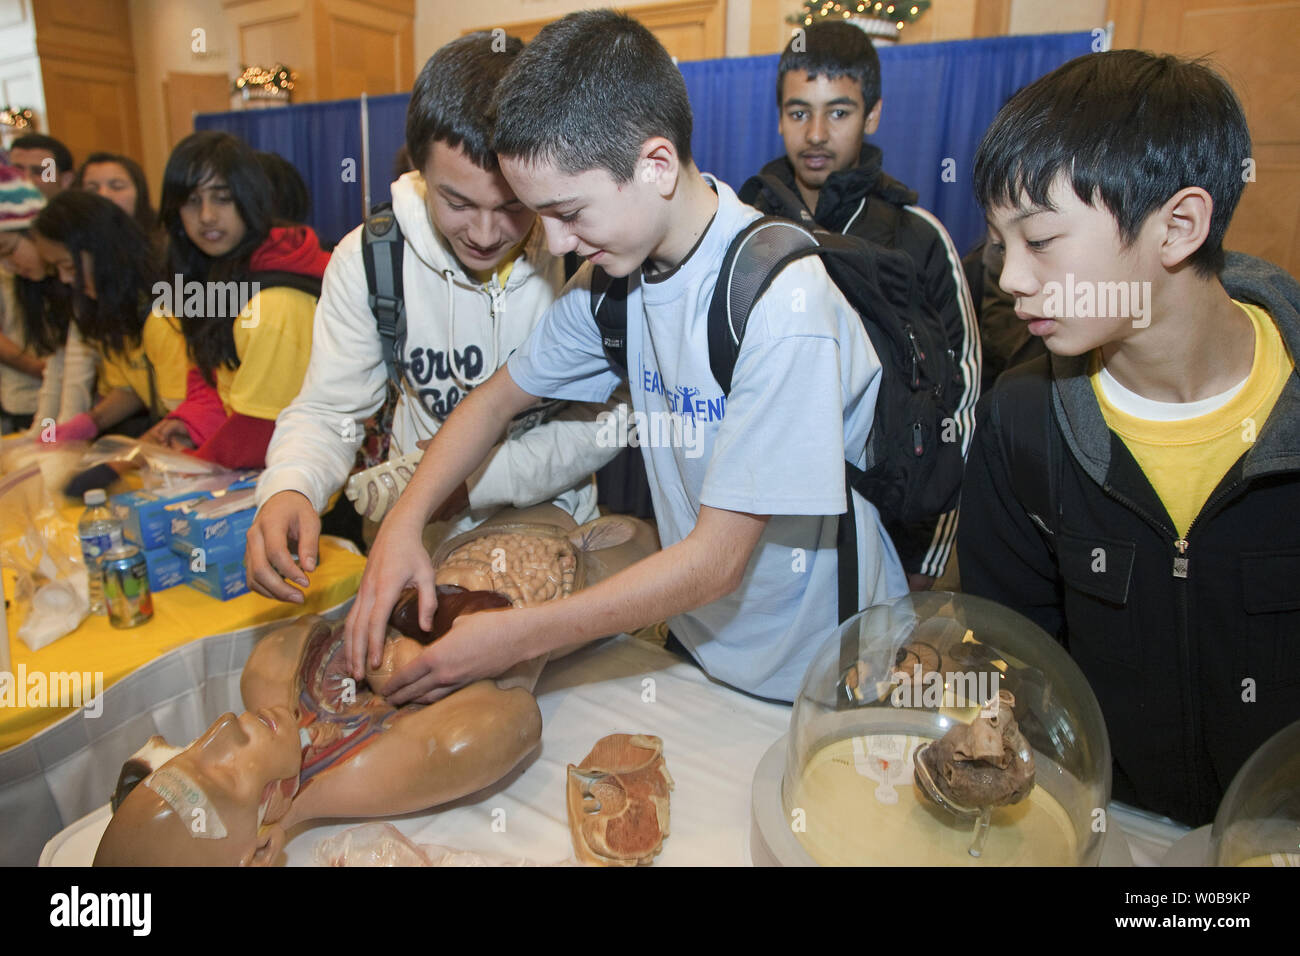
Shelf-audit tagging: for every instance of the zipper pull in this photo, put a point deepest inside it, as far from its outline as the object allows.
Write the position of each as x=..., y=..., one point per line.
x=918, y=446
x=1180, y=562
x=918, y=356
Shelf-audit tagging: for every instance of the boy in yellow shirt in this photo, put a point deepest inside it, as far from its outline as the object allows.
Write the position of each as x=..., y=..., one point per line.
x=1134, y=491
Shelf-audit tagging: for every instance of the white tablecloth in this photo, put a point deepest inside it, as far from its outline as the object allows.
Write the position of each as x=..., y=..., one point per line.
x=713, y=739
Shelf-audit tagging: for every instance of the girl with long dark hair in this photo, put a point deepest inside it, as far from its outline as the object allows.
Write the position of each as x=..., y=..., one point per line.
x=102, y=255
x=46, y=371
x=249, y=331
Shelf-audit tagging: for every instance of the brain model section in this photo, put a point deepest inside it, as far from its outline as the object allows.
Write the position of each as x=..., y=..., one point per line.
x=527, y=566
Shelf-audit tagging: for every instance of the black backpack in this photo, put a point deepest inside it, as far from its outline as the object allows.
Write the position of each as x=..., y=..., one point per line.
x=914, y=453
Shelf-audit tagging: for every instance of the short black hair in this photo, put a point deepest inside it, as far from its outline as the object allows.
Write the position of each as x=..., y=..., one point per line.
x=1128, y=129
x=832, y=49
x=588, y=92
x=62, y=155
x=448, y=104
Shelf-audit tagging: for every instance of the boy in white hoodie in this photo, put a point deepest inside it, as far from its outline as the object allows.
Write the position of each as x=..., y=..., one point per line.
x=476, y=276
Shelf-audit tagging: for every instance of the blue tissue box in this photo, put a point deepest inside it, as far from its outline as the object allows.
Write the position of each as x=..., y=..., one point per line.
x=146, y=515
x=222, y=579
x=194, y=526
x=166, y=569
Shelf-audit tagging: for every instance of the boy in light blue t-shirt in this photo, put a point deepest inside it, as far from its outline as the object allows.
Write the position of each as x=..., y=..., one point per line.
x=593, y=132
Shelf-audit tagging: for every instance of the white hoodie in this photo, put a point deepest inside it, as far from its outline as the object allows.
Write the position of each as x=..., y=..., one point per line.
x=448, y=313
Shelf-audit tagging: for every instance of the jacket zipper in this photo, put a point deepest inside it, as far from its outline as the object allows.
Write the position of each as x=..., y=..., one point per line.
x=1181, y=566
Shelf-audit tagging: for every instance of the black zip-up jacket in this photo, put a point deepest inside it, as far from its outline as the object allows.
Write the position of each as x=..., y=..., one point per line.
x=866, y=201
x=1191, y=643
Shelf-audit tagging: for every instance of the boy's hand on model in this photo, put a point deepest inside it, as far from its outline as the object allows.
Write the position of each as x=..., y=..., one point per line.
x=286, y=517
x=479, y=645
x=396, y=561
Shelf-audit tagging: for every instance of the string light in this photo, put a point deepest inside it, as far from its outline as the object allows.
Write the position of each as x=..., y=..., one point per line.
x=899, y=15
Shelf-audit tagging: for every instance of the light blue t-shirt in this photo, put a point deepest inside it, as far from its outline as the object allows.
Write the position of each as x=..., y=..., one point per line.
x=803, y=391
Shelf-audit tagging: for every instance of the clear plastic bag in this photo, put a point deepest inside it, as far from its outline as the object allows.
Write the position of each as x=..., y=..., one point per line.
x=382, y=844
x=51, y=593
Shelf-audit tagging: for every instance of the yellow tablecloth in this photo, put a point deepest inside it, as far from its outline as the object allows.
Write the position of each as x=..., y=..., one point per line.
x=181, y=614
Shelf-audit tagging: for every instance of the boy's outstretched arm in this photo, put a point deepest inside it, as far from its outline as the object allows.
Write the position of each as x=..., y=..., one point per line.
x=707, y=564
x=397, y=559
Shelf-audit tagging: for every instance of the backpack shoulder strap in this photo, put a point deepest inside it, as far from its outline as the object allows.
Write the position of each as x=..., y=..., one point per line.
x=609, y=309
x=755, y=257
x=1030, y=440
x=287, y=280
x=382, y=246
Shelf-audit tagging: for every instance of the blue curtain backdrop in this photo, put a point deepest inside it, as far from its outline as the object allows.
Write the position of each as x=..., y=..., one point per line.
x=939, y=99
x=323, y=140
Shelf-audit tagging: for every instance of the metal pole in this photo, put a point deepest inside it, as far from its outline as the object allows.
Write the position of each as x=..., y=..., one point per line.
x=365, y=157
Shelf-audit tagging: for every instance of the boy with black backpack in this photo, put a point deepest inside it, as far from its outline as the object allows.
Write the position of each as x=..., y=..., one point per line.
x=421, y=304
x=1134, y=491
x=748, y=479
x=829, y=97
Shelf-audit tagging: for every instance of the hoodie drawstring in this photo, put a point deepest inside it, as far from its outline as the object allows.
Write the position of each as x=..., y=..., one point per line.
x=494, y=290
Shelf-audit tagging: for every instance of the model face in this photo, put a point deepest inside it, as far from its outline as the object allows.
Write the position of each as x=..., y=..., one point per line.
x=58, y=258
x=475, y=210
x=113, y=182
x=18, y=254
x=614, y=225
x=244, y=756
x=211, y=219
x=1052, y=257
x=39, y=166
x=823, y=122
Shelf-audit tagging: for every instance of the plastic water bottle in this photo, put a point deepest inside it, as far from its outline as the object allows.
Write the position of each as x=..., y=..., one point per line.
x=100, y=531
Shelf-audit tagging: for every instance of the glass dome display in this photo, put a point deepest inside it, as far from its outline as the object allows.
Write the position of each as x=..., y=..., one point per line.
x=1258, y=823
x=939, y=730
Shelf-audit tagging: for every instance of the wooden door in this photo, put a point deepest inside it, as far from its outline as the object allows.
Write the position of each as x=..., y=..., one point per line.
x=1254, y=45
x=185, y=94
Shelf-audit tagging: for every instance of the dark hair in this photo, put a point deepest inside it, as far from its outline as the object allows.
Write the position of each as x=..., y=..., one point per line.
x=45, y=310
x=448, y=104
x=833, y=49
x=197, y=159
x=62, y=155
x=123, y=259
x=1128, y=129
x=587, y=93
x=289, y=194
x=144, y=211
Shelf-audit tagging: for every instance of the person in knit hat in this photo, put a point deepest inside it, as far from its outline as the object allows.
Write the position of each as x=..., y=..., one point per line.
x=20, y=368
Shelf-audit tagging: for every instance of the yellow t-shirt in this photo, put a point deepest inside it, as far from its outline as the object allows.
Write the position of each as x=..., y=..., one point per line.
x=273, y=342
x=161, y=345
x=1186, y=459
x=502, y=270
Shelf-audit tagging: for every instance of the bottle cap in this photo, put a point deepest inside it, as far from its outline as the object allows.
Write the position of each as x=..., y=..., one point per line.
x=95, y=496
